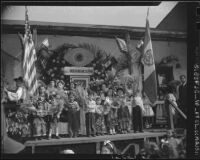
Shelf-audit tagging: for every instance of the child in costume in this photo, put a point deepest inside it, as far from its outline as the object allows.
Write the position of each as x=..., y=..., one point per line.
x=39, y=124
x=148, y=114
x=73, y=119
x=122, y=112
x=124, y=118
x=113, y=112
x=106, y=107
x=54, y=110
x=90, y=115
x=99, y=117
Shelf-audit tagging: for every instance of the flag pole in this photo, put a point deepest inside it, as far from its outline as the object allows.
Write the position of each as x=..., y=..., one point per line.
x=142, y=55
x=128, y=39
x=22, y=58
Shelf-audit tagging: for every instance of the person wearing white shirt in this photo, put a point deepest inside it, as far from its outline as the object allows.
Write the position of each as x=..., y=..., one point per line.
x=20, y=91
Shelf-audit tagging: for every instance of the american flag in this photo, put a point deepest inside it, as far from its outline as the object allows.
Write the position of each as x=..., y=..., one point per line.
x=29, y=59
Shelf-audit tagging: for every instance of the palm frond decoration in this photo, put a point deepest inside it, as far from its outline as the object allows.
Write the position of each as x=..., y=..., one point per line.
x=98, y=53
x=60, y=50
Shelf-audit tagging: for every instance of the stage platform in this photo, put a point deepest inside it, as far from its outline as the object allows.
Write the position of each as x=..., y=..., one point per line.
x=98, y=139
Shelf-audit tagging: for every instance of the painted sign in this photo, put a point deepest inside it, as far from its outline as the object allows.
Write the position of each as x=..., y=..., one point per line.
x=78, y=70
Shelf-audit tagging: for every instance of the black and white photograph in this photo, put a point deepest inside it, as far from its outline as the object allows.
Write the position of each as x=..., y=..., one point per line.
x=99, y=80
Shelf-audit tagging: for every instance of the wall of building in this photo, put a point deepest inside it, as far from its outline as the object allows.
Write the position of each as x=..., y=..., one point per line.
x=11, y=44
x=7, y=62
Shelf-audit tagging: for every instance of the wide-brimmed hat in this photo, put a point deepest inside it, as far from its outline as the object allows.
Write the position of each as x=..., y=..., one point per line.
x=19, y=79
x=60, y=81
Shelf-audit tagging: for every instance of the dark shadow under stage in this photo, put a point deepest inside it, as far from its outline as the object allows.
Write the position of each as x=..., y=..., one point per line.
x=96, y=142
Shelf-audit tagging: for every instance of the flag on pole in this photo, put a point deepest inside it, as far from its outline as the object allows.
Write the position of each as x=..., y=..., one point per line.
x=150, y=84
x=45, y=43
x=43, y=53
x=29, y=59
x=122, y=45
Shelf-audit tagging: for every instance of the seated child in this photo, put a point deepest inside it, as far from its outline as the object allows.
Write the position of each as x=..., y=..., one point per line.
x=99, y=117
x=90, y=115
x=53, y=118
x=73, y=116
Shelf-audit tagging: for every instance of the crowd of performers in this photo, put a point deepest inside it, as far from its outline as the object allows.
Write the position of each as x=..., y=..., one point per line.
x=107, y=111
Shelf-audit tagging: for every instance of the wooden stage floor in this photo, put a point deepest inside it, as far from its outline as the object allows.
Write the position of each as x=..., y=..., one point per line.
x=98, y=139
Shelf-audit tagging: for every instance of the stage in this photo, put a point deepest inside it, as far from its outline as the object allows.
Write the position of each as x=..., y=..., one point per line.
x=97, y=140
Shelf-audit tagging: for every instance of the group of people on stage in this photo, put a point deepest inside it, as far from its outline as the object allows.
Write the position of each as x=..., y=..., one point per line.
x=104, y=111
x=107, y=111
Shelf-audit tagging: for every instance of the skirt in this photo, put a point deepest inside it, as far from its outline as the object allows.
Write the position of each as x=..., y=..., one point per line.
x=148, y=111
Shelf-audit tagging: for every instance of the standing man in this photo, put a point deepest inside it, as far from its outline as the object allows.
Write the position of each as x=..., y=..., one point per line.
x=137, y=112
x=182, y=91
x=183, y=94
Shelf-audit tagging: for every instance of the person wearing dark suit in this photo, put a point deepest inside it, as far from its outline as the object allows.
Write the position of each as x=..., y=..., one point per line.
x=182, y=91
x=183, y=94
x=137, y=112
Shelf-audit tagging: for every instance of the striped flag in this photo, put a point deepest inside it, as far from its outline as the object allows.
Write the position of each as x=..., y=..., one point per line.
x=122, y=45
x=45, y=43
x=29, y=59
x=150, y=84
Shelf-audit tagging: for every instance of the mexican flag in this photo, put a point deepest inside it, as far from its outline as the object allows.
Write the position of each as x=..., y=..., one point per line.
x=150, y=82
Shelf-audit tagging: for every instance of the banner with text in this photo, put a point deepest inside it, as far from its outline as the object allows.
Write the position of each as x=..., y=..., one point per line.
x=78, y=70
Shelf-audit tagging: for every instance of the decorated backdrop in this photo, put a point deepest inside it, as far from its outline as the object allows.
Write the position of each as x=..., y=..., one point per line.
x=51, y=63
